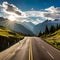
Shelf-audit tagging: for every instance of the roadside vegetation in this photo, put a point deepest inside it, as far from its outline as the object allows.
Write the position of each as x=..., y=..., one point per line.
x=8, y=37
x=52, y=36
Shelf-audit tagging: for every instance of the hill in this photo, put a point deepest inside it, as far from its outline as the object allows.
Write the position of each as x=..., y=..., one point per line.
x=53, y=39
x=8, y=37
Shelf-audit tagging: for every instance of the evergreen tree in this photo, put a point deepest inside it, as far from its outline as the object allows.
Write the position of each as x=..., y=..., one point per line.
x=52, y=29
x=40, y=34
x=46, y=30
x=57, y=27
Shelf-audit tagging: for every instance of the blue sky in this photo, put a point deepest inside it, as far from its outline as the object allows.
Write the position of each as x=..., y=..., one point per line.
x=35, y=11
x=36, y=4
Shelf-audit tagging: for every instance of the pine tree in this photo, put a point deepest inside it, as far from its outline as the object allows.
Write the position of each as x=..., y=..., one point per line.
x=57, y=27
x=40, y=34
x=46, y=30
x=52, y=29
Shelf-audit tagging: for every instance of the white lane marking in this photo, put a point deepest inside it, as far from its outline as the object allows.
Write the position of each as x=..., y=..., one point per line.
x=42, y=46
x=50, y=55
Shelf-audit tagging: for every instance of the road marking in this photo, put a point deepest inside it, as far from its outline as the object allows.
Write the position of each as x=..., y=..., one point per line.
x=30, y=51
x=50, y=55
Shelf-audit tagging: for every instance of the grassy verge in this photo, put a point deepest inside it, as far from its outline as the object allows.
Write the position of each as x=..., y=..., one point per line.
x=8, y=38
x=54, y=43
x=53, y=39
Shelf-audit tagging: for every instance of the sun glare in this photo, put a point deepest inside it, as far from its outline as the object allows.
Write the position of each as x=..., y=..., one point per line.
x=12, y=18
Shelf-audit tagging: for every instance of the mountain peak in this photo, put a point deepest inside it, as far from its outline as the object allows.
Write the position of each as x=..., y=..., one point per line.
x=56, y=20
x=47, y=21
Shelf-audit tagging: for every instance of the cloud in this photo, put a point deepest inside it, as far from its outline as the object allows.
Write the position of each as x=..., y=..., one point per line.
x=11, y=9
x=51, y=9
x=37, y=21
x=33, y=13
x=50, y=13
x=33, y=16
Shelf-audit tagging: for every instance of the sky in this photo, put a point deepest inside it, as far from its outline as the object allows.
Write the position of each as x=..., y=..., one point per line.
x=35, y=11
x=36, y=4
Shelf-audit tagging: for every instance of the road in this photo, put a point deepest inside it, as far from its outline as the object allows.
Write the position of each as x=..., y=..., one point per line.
x=34, y=48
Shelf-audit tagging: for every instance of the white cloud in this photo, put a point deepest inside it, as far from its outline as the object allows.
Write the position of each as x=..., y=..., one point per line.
x=10, y=9
x=51, y=9
x=50, y=13
x=37, y=21
x=24, y=20
x=33, y=13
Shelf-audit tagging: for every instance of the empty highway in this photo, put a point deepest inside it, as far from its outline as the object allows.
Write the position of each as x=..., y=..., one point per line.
x=34, y=48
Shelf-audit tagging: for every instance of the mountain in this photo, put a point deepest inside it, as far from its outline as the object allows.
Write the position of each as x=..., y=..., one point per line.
x=41, y=26
x=28, y=25
x=21, y=28
x=2, y=19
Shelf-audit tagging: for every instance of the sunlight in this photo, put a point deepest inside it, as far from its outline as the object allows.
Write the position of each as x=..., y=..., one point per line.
x=12, y=18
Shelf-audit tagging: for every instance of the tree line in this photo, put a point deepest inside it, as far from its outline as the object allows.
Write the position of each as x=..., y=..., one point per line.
x=50, y=30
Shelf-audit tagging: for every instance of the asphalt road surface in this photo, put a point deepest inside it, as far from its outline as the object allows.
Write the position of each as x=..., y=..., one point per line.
x=34, y=48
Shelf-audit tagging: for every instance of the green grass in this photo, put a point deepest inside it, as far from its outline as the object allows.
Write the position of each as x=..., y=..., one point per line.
x=8, y=36
x=9, y=33
x=54, y=39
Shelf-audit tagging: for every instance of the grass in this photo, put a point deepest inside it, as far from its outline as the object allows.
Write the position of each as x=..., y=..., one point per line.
x=8, y=33
x=8, y=38
x=53, y=39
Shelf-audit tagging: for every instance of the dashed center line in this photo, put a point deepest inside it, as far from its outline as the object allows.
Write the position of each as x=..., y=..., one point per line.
x=50, y=55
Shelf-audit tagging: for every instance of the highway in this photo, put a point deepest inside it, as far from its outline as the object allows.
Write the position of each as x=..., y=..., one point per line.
x=34, y=48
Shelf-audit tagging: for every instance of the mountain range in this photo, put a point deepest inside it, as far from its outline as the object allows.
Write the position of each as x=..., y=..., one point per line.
x=41, y=26
x=22, y=28
x=28, y=27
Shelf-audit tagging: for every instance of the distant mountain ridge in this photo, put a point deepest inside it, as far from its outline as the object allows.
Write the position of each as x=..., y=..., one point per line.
x=15, y=26
x=41, y=26
x=29, y=27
